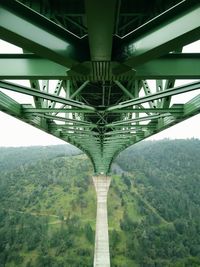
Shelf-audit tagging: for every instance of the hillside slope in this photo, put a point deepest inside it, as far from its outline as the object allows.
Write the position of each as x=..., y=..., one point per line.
x=165, y=181
x=47, y=207
x=13, y=157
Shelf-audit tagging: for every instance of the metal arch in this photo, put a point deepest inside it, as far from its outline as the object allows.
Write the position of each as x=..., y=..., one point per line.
x=101, y=54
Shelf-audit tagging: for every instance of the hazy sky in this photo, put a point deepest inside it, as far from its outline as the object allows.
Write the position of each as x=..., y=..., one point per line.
x=16, y=133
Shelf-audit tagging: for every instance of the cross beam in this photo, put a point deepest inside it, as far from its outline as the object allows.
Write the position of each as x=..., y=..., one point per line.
x=33, y=92
x=159, y=40
x=158, y=95
x=30, y=66
x=102, y=101
x=35, y=33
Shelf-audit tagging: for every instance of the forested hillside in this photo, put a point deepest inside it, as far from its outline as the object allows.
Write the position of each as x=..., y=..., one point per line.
x=47, y=206
x=165, y=183
x=13, y=157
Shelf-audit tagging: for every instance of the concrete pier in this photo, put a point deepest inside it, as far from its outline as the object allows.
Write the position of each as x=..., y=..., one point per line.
x=101, y=251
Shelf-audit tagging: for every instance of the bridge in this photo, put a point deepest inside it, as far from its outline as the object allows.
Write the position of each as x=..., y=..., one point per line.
x=114, y=65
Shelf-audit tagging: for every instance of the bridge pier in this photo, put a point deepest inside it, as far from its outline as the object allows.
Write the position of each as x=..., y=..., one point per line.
x=101, y=251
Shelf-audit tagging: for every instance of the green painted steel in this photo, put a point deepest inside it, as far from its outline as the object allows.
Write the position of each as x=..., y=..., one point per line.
x=33, y=92
x=161, y=39
x=100, y=22
x=31, y=31
x=90, y=63
x=30, y=66
x=158, y=95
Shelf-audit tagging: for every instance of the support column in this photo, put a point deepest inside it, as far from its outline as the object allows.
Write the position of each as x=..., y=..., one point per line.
x=101, y=251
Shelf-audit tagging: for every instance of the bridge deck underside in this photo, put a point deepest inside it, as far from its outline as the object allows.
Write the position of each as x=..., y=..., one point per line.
x=102, y=73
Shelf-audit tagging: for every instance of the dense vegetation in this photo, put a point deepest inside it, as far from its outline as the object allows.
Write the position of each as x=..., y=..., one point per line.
x=165, y=183
x=42, y=206
x=47, y=206
x=13, y=157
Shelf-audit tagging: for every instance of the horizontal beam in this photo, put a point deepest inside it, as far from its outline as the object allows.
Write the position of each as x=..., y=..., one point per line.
x=134, y=126
x=175, y=32
x=44, y=95
x=120, y=132
x=33, y=32
x=30, y=66
x=51, y=117
x=78, y=131
x=172, y=110
x=55, y=110
x=158, y=95
x=148, y=110
x=172, y=66
x=69, y=126
x=146, y=118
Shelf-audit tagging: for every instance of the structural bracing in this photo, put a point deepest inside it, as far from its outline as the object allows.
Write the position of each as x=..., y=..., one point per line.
x=102, y=74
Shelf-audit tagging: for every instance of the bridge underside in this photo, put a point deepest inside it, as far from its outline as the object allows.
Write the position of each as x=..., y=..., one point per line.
x=103, y=74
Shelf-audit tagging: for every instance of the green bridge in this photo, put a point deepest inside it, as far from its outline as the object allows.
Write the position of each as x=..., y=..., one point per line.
x=102, y=73
x=102, y=54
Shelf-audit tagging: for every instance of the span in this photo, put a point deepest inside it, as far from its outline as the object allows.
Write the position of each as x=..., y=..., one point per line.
x=102, y=75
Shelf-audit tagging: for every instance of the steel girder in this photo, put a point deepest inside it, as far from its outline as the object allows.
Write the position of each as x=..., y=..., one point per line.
x=30, y=66
x=158, y=95
x=168, y=36
x=35, y=33
x=100, y=28
x=102, y=101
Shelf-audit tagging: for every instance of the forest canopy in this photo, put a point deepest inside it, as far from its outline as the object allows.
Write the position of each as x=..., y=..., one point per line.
x=47, y=206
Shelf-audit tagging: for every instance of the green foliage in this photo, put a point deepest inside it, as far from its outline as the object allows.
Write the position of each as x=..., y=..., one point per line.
x=48, y=208
x=165, y=181
x=89, y=233
x=42, y=220
x=13, y=157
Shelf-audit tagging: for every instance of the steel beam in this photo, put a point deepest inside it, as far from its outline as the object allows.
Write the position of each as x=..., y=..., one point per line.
x=36, y=85
x=123, y=88
x=172, y=66
x=55, y=110
x=35, y=33
x=57, y=118
x=158, y=95
x=56, y=92
x=192, y=107
x=13, y=108
x=100, y=22
x=60, y=51
x=146, y=118
x=79, y=89
x=149, y=110
x=134, y=126
x=147, y=91
x=30, y=66
x=44, y=95
x=182, y=29
x=167, y=100
x=9, y=105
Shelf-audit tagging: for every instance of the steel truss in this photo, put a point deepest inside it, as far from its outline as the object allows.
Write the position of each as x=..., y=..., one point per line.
x=102, y=55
